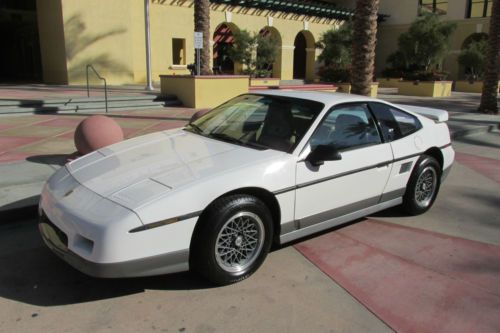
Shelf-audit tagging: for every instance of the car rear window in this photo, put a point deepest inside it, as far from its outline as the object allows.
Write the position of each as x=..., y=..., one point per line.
x=395, y=123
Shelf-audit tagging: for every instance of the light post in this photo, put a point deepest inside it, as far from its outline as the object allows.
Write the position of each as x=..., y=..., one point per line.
x=149, y=84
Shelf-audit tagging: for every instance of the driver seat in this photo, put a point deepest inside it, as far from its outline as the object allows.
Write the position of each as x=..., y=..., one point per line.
x=277, y=130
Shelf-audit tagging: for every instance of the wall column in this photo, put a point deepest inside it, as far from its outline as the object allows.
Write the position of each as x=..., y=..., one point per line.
x=310, y=63
x=286, y=69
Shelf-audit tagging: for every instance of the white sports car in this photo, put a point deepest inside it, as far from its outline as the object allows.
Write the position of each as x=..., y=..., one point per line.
x=261, y=168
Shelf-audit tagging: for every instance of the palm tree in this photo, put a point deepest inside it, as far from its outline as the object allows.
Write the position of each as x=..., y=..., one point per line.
x=490, y=82
x=363, y=47
x=202, y=24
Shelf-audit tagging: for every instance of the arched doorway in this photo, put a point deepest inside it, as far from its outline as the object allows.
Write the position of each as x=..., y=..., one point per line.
x=273, y=34
x=304, y=56
x=223, y=41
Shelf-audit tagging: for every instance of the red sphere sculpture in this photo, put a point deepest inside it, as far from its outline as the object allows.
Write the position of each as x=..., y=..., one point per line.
x=96, y=132
x=199, y=114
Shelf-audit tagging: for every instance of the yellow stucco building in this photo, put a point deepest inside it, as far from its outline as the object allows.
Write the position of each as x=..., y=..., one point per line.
x=110, y=35
x=52, y=41
x=470, y=16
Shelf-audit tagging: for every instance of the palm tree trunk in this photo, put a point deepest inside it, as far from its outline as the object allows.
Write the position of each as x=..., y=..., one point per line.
x=363, y=46
x=202, y=24
x=490, y=82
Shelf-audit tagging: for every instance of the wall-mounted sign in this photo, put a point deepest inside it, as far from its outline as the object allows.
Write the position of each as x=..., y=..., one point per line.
x=198, y=40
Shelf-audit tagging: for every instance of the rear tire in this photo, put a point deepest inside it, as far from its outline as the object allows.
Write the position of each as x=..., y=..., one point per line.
x=423, y=186
x=232, y=239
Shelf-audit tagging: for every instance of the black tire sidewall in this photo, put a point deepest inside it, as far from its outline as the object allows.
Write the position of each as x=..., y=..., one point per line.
x=216, y=216
x=409, y=203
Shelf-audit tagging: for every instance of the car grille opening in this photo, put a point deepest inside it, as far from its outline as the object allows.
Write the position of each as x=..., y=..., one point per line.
x=51, y=231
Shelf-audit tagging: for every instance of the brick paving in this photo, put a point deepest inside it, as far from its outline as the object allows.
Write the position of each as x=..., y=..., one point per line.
x=22, y=137
x=414, y=280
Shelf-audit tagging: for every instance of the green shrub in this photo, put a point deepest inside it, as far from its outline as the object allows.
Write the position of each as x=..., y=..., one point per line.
x=266, y=47
x=336, y=46
x=334, y=74
x=241, y=51
x=336, y=54
x=473, y=59
x=422, y=48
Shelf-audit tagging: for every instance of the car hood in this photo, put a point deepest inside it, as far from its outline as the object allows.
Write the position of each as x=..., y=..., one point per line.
x=137, y=171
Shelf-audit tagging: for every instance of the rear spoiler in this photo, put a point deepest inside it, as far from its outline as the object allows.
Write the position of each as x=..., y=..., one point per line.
x=434, y=114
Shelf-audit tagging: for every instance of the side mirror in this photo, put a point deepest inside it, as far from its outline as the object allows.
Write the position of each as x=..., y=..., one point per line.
x=323, y=153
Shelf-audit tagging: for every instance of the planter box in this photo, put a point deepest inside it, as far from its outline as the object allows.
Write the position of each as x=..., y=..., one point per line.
x=205, y=91
x=343, y=88
x=264, y=82
x=374, y=89
x=474, y=87
x=346, y=88
x=389, y=82
x=425, y=88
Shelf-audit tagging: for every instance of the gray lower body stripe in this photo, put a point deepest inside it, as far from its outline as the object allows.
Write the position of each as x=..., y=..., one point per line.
x=340, y=211
x=166, y=222
x=445, y=173
x=336, y=212
x=393, y=194
x=290, y=236
x=288, y=227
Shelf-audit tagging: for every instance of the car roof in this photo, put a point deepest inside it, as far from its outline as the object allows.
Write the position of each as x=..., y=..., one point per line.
x=327, y=98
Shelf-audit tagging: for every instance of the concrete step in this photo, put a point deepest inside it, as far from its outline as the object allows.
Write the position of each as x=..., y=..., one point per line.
x=292, y=82
x=85, y=104
x=82, y=100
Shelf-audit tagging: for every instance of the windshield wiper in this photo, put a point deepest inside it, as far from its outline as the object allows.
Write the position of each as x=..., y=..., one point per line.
x=225, y=137
x=195, y=127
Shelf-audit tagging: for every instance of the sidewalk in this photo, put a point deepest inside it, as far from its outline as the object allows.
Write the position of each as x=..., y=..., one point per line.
x=32, y=147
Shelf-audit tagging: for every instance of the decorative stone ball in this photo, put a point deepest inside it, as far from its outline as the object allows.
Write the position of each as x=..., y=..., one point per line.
x=96, y=132
x=198, y=114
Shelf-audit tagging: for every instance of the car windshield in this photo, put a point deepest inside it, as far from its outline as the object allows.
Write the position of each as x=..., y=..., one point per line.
x=259, y=121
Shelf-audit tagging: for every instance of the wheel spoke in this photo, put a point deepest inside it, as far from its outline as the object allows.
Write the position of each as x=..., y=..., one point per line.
x=425, y=186
x=239, y=242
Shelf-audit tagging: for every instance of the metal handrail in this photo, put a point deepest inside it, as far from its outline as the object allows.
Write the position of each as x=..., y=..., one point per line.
x=101, y=78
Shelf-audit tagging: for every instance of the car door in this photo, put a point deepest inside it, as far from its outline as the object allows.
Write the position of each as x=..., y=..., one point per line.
x=345, y=186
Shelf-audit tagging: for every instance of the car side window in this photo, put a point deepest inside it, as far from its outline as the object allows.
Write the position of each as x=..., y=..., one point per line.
x=346, y=127
x=395, y=124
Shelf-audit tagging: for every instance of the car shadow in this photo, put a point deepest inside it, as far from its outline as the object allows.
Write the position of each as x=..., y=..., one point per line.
x=32, y=274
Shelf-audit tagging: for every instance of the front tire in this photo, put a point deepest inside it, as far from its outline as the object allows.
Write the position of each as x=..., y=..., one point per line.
x=423, y=186
x=232, y=239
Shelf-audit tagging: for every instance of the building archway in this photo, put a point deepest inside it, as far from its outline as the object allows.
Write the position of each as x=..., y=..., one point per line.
x=304, y=56
x=223, y=40
x=275, y=67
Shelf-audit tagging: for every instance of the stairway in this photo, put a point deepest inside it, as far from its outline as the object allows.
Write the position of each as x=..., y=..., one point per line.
x=83, y=104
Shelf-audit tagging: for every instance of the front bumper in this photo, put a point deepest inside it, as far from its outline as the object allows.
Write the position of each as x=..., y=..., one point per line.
x=57, y=241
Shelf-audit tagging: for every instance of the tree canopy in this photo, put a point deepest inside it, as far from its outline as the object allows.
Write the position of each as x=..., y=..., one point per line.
x=424, y=44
